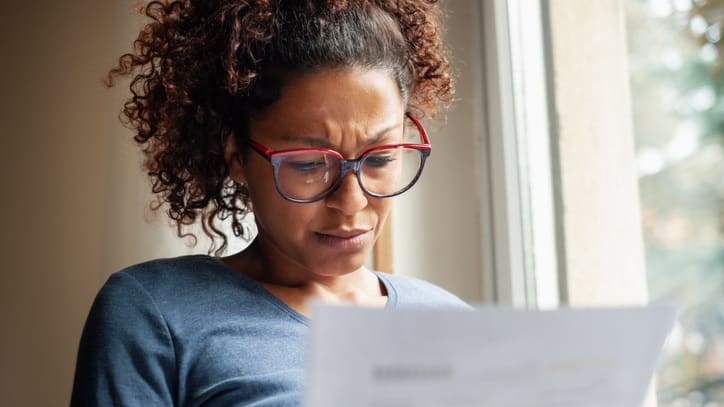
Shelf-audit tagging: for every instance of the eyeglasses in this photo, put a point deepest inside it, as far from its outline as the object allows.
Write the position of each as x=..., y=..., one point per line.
x=306, y=175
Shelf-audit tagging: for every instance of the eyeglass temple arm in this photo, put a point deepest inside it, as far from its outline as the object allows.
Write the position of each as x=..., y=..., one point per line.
x=260, y=149
x=420, y=128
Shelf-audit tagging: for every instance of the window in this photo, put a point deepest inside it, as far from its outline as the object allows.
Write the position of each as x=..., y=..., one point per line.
x=620, y=169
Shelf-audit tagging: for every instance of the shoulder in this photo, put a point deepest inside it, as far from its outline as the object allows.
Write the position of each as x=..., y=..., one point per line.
x=174, y=278
x=127, y=353
x=175, y=289
x=151, y=285
x=183, y=269
x=412, y=291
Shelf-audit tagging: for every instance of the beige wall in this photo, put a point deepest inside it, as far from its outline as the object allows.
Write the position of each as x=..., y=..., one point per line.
x=599, y=211
x=599, y=214
x=55, y=118
x=69, y=216
x=437, y=224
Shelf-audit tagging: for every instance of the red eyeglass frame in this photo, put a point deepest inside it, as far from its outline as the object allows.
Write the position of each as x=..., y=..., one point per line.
x=273, y=156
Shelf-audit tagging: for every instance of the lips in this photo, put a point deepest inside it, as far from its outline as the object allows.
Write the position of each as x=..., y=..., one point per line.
x=344, y=233
x=345, y=239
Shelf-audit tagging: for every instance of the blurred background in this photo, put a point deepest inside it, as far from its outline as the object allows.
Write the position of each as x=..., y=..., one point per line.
x=676, y=56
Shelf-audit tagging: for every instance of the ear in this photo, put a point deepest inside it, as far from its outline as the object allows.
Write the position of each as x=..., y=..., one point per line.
x=233, y=158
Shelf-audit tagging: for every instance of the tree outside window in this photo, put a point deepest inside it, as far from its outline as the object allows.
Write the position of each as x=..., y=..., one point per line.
x=677, y=83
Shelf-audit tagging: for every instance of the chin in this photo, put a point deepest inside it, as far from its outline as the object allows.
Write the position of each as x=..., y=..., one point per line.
x=338, y=268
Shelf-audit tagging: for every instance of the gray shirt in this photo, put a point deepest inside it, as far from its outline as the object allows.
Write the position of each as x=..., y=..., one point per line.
x=191, y=331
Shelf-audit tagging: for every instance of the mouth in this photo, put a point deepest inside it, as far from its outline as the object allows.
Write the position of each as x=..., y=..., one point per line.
x=345, y=239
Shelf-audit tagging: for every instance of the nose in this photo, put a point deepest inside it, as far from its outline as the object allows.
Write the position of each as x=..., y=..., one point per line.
x=349, y=198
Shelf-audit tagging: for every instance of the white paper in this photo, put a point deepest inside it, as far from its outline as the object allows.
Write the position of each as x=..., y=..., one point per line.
x=488, y=357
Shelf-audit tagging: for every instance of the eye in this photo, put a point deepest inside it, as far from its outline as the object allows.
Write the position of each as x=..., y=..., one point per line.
x=306, y=165
x=380, y=159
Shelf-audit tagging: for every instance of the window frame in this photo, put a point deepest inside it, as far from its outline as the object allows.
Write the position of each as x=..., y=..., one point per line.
x=521, y=222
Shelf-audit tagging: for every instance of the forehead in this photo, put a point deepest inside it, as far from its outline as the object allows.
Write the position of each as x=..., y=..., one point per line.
x=331, y=102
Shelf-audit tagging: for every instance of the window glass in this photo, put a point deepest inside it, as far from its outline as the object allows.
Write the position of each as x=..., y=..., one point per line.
x=677, y=83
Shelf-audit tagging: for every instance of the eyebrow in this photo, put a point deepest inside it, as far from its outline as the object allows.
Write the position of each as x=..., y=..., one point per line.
x=313, y=141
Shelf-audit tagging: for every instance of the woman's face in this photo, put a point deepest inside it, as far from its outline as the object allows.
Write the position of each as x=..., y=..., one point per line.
x=347, y=110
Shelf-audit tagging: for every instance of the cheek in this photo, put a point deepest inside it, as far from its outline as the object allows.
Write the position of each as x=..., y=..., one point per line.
x=260, y=181
x=283, y=222
x=274, y=214
x=382, y=207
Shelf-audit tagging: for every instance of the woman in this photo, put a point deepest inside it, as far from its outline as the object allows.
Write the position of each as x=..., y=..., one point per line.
x=302, y=112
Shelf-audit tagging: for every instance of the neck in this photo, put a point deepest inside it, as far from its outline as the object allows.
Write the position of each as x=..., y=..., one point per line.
x=296, y=285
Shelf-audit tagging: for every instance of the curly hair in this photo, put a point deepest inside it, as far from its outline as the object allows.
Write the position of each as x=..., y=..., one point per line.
x=200, y=69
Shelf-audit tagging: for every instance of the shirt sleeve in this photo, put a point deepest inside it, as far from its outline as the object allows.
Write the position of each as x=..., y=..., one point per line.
x=126, y=355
